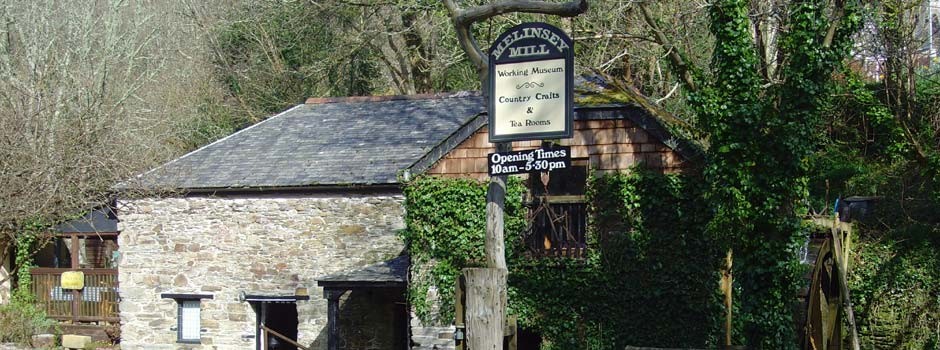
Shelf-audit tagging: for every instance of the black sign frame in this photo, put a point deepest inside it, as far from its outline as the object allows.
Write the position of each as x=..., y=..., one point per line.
x=559, y=45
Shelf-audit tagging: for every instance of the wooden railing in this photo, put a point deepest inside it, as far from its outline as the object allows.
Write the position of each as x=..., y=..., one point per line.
x=267, y=332
x=97, y=302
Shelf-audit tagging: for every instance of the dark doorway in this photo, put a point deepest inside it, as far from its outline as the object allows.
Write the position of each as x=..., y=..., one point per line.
x=276, y=317
x=528, y=340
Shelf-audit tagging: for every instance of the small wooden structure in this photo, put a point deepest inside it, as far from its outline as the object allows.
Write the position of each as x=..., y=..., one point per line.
x=89, y=244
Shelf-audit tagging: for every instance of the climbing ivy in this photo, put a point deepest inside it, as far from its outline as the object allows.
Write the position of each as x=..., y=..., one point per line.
x=650, y=277
x=760, y=136
x=22, y=317
x=445, y=229
x=27, y=242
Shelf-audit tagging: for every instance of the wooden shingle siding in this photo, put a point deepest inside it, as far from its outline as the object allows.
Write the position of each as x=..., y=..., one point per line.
x=610, y=146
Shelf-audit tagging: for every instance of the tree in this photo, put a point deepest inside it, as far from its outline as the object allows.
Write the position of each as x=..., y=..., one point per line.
x=758, y=106
x=90, y=95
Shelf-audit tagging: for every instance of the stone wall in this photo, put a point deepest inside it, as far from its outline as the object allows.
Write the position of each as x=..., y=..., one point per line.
x=257, y=244
x=437, y=333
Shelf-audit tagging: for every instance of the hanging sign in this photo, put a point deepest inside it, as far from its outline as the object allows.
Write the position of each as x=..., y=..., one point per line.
x=72, y=280
x=530, y=161
x=531, y=76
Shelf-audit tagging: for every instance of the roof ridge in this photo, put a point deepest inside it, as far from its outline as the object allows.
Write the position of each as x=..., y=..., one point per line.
x=354, y=99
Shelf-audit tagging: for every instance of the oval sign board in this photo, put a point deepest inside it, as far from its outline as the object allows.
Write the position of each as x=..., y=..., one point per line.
x=530, y=82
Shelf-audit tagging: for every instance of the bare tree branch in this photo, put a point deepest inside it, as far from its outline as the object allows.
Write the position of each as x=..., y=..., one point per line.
x=681, y=65
x=465, y=18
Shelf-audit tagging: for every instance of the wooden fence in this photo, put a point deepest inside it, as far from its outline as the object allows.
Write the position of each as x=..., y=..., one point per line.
x=97, y=302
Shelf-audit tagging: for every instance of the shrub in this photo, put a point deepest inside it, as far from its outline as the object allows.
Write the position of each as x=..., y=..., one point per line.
x=19, y=321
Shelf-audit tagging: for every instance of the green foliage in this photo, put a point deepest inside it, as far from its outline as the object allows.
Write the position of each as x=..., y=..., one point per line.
x=27, y=243
x=894, y=278
x=22, y=317
x=650, y=277
x=895, y=283
x=19, y=321
x=445, y=230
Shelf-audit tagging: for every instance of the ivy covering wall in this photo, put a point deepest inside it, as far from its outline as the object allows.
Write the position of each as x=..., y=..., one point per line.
x=650, y=278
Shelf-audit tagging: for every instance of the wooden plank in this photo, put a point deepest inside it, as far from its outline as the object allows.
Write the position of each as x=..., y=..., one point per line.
x=87, y=234
x=59, y=270
x=840, y=255
x=86, y=318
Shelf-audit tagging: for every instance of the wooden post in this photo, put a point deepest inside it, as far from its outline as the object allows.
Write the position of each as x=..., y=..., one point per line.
x=726, y=288
x=332, y=318
x=485, y=308
x=459, y=315
x=76, y=295
x=495, y=202
x=486, y=312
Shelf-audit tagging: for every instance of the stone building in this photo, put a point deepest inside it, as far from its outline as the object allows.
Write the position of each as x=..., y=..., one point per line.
x=289, y=226
x=243, y=229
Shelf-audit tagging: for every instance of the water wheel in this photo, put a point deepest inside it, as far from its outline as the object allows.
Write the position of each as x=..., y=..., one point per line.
x=822, y=328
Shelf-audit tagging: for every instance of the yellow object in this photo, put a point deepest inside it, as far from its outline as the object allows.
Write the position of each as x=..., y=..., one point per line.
x=73, y=280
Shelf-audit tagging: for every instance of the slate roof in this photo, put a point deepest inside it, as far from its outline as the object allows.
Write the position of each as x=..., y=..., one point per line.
x=325, y=142
x=96, y=221
x=388, y=273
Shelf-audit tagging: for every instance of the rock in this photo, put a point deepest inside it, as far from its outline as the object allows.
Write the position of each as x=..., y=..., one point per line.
x=72, y=341
x=43, y=341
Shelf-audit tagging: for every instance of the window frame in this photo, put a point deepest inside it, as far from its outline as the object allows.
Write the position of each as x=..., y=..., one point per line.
x=180, y=300
x=568, y=198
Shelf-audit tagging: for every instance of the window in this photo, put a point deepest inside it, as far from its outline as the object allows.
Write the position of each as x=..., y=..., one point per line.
x=188, y=328
x=558, y=213
x=188, y=321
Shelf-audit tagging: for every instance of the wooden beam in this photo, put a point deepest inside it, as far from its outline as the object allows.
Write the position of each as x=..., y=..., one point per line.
x=87, y=234
x=332, y=317
x=283, y=337
x=76, y=295
x=60, y=270
x=842, y=266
